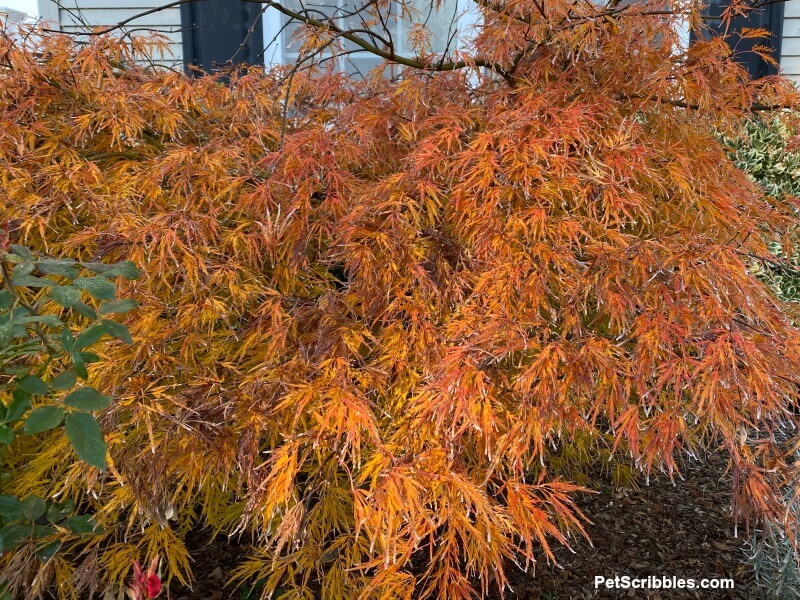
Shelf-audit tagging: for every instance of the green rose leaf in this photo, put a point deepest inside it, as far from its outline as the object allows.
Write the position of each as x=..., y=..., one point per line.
x=42, y=531
x=48, y=551
x=99, y=287
x=51, y=320
x=33, y=385
x=64, y=380
x=90, y=336
x=54, y=514
x=22, y=269
x=6, y=299
x=31, y=281
x=81, y=524
x=79, y=365
x=43, y=418
x=12, y=535
x=87, y=399
x=33, y=507
x=124, y=269
x=86, y=438
x=63, y=267
x=10, y=507
x=67, y=339
x=118, y=330
x=20, y=402
x=64, y=295
x=118, y=306
x=21, y=251
x=58, y=511
x=84, y=309
x=6, y=334
x=6, y=434
x=89, y=357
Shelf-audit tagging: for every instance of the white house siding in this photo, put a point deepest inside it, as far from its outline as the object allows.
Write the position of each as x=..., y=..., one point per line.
x=168, y=22
x=790, y=45
x=13, y=16
x=105, y=13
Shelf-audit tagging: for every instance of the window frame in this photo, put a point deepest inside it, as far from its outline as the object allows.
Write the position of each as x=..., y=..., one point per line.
x=274, y=54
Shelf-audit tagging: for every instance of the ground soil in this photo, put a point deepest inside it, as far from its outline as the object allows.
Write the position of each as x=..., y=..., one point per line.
x=683, y=529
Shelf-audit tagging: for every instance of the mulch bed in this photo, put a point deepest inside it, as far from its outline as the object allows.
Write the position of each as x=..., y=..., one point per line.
x=662, y=529
x=683, y=529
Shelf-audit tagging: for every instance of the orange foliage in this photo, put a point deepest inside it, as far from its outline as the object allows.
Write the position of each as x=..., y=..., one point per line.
x=374, y=322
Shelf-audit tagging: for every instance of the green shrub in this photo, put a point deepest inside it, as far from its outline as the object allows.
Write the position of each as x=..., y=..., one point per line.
x=52, y=313
x=763, y=151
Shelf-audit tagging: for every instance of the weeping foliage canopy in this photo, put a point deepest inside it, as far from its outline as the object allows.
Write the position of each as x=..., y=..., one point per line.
x=387, y=326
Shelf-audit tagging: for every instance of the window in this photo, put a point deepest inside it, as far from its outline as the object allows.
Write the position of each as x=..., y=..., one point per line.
x=441, y=25
x=214, y=30
x=769, y=16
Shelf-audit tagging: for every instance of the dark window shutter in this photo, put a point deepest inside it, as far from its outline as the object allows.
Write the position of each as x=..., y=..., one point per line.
x=769, y=17
x=217, y=33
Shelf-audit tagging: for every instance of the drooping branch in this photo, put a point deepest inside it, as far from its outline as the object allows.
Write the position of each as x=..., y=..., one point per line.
x=756, y=107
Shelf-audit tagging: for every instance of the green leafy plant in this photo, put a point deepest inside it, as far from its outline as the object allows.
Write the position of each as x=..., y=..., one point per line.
x=52, y=312
x=763, y=149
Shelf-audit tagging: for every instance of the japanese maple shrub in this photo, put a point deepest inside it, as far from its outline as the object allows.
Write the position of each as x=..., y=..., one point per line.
x=767, y=151
x=386, y=325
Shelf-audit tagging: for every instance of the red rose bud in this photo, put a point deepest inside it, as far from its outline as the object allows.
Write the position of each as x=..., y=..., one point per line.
x=152, y=586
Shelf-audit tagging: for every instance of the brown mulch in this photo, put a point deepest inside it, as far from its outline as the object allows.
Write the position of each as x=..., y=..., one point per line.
x=683, y=529
x=212, y=564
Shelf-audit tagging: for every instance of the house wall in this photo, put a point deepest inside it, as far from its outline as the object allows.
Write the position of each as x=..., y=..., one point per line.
x=105, y=13
x=168, y=22
x=790, y=45
x=13, y=16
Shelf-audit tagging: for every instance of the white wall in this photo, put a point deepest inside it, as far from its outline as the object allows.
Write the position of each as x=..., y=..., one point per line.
x=168, y=22
x=105, y=13
x=790, y=46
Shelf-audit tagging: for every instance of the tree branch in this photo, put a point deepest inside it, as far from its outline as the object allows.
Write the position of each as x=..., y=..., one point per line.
x=329, y=25
x=390, y=54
